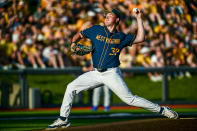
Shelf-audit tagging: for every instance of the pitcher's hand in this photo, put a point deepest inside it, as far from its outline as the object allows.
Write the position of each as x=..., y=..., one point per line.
x=137, y=13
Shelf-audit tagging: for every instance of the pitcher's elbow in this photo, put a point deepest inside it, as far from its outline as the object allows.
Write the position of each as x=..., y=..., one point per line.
x=139, y=40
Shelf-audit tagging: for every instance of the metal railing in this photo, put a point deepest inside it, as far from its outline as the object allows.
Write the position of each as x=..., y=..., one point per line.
x=77, y=71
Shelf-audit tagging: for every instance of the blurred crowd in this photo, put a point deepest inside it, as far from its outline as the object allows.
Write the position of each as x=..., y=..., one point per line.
x=40, y=38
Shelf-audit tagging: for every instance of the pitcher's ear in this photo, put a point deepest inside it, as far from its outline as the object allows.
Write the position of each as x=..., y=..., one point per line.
x=117, y=20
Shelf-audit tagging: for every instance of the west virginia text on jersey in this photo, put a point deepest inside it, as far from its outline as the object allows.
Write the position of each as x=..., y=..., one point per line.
x=108, y=40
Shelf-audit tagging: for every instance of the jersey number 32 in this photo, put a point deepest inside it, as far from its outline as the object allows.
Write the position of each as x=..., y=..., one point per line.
x=114, y=51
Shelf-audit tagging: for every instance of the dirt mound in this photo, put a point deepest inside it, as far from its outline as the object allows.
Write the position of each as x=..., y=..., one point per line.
x=158, y=124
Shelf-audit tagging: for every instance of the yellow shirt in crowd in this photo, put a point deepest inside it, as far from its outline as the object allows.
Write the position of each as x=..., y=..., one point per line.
x=179, y=54
x=28, y=49
x=142, y=59
x=8, y=47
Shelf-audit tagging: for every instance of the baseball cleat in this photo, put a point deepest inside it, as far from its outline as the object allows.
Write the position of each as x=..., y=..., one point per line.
x=94, y=108
x=106, y=108
x=167, y=112
x=58, y=124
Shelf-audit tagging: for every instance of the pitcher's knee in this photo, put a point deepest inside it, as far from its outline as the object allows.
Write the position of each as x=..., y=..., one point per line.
x=70, y=88
x=129, y=99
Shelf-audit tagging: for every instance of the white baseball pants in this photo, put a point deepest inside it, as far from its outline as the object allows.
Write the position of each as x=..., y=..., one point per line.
x=96, y=96
x=113, y=79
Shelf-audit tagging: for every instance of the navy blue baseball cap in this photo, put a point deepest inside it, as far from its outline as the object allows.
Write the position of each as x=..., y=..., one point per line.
x=114, y=11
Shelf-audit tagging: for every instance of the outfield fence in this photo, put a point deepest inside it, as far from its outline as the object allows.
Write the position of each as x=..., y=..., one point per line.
x=77, y=71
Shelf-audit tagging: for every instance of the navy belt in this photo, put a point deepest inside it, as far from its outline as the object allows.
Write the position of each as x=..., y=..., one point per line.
x=102, y=70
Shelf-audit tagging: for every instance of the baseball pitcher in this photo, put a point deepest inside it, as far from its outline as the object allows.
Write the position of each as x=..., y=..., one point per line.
x=107, y=44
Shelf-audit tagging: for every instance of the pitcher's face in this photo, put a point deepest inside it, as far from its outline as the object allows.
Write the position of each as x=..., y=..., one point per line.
x=110, y=19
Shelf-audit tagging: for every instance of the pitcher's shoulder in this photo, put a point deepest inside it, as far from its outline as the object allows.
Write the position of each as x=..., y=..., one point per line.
x=99, y=26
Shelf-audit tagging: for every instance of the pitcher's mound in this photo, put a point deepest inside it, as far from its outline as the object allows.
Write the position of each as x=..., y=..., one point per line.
x=157, y=124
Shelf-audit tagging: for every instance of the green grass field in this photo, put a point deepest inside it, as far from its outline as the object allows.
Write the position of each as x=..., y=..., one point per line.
x=179, y=89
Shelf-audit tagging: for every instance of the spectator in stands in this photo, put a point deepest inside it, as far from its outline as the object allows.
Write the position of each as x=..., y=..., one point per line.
x=179, y=56
x=143, y=59
x=154, y=15
x=195, y=53
x=58, y=54
x=157, y=60
x=192, y=56
x=191, y=59
x=49, y=56
x=39, y=13
x=125, y=59
x=12, y=53
x=192, y=9
x=30, y=53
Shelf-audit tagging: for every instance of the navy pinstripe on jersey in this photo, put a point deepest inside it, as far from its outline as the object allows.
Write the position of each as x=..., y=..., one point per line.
x=106, y=46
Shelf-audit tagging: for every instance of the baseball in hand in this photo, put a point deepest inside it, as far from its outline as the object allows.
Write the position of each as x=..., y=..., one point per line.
x=136, y=10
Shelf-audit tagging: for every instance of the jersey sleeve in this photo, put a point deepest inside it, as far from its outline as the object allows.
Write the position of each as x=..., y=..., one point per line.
x=128, y=39
x=89, y=32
